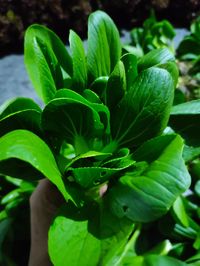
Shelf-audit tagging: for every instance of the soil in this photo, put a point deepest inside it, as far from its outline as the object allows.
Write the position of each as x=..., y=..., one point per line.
x=61, y=15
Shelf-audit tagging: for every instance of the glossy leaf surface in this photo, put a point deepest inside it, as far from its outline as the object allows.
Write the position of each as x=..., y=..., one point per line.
x=20, y=113
x=42, y=64
x=148, y=195
x=87, y=237
x=102, y=36
x=72, y=118
x=54, y=42
x=130, y=65
x=155, y=57
x=79, y=62
x=116, y=86
x=153, y=260
x=22, y=150
x=144, y=110
x=185, y=119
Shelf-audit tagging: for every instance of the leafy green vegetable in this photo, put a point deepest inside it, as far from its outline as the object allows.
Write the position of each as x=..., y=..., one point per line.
x=22, y=149
x=90, y=233
x=147, y=196
x=70, y=241
x=79, y=62
x=185, y=120
x=116, y=81
x=90, y=176
x=153, y=35
x=107, y=138
x=45, y=54
x=20, y=113
x=152, y=260
x=155, y=57
x=189, y=48
x=48, y=71
x=144, y=110
x=130, y=65
x=102, y=35
x=73, y=120
x=172, y=68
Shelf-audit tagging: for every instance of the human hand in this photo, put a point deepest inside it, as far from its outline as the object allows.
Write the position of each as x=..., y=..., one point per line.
x=44, y=203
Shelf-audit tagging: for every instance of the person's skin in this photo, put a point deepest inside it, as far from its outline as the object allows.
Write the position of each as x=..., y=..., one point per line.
x=44, y=203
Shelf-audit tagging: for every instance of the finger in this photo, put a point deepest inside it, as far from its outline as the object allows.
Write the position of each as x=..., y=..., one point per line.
x=44, y=204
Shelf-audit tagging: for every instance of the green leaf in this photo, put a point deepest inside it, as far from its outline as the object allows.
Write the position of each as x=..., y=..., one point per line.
x=17, y=104
x=155, y=57
x=102, y=37
x=14, y=181
x=4, y=229
x=116, y=86
x=127, y=252
x=136, y=51
x=179, y=97
x=70, y=241
x=172, y=68
x=85, y=237
x=99, y=108
x=188, y=108
x=184, y=232
x=90, y=154
x=180, y=212
x=144, y=110
x=114, y=239
x=185, y=119
x=130, y=65
x=146, y=196
x=12, y=195
x=189, y=48
x=117, y=158
x=89, y=174
x=190, y=153
x=154, y=260
x=91, y=96
x=79, y=62
x=93, y=176
x=41, y=62
x=25, y=155
x=197, y=188
x=145, y=153
x=26, y=119
x=195, y=69
x=195, y=258
x=168, y=29
x=24, y=191
x=20, y=113
x=195, y=27
x=162, y=248
x=53, y=42
x=72, y=118
x=99, y=86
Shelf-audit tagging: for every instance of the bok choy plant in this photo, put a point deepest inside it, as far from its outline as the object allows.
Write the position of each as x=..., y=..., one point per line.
x=103, y=128
x=152, y=35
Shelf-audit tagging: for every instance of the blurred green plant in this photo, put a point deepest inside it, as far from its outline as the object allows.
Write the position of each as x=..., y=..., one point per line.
x=188, y=55
x=153, y=35
x=14, y=220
